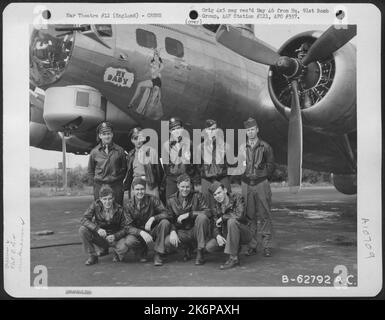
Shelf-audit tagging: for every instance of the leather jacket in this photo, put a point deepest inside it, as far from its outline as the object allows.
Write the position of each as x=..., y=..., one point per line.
x=153, y=171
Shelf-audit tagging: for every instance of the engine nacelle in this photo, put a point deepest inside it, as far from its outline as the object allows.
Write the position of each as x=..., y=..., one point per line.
x=345, y=183
x=80, y=109
x=327, y=90
x=37, y=133
x=73, y=108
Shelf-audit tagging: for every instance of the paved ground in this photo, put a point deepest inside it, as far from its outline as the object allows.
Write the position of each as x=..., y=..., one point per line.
x=315, y=230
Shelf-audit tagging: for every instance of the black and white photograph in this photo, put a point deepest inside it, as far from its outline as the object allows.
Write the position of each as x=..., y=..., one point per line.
x=195, y=158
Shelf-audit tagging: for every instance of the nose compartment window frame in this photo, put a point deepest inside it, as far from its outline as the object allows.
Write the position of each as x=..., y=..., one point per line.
x=174, y=47
x=104, y=30
x=146, y=39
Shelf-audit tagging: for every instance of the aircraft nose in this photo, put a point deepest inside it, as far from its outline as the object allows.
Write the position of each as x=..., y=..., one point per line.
x=50, y=52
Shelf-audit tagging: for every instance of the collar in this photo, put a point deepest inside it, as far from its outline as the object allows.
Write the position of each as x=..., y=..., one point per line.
x=259, y=143
x=228, y=204
x=110, y=146
x=114, y=206
x=141, y=201
x=225, y=203
x=180, y=198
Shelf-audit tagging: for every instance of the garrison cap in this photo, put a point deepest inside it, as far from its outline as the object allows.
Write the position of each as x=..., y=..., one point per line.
x=214, y=186
x=105, y=190
x=134, y=131
x=174, y=122
x=209, y=123
x=137, y=181
x=105, y=126
x=183, y=177
x=249, y=123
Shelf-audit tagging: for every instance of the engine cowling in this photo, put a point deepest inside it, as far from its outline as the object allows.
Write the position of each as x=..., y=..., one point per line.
x=80, y=109
x=41, y=137
x=327, y=88
x=345, y=183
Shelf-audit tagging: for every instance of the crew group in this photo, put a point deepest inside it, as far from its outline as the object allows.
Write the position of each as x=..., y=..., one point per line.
x=207, y=221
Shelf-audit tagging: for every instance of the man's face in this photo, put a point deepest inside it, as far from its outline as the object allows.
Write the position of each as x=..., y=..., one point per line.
x=106, y=137
x=211, y=131
x=252, y=132
x=138, y=140
x=107, y=201
x=184, y=188
x=139, y=191
x=220, y=194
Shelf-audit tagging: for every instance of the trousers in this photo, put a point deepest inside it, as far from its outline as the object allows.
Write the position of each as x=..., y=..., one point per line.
x=196, y=237
x=158, y=233
x=237, y=234
x=258, y=207
x=92, y=238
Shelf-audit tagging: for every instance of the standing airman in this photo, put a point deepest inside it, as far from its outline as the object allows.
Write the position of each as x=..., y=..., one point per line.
x=258, y=158
x=107, y=163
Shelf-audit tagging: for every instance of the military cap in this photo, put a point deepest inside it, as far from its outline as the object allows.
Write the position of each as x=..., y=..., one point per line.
x=249, y=123
x=214, y=186
x=105, y=126
x=209, y=123
x=183, y=177
x=134, y=131
x=174, y=122
x=105, y=190
x=137, y=181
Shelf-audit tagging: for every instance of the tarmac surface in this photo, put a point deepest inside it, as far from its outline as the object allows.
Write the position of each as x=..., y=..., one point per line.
x=315, y=230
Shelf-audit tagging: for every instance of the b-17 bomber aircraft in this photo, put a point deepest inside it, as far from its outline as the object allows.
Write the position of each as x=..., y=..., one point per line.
x=303, y=95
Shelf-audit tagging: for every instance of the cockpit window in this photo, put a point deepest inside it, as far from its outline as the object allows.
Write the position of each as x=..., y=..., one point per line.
x=211, y=27
x=104, y=30
x=146, y=38
x=174, y=47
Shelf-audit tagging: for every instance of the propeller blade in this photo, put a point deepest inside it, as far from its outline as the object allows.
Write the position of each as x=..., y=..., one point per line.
x=294, y=155
x=330, y=41
x=247, y=47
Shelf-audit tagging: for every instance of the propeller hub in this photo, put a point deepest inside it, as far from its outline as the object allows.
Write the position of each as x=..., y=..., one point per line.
x=290, y=67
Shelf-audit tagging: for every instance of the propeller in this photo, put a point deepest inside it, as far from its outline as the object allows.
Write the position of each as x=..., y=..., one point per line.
x=330, y=41
x=294, y=154
x=292, y=68
x=247, y=47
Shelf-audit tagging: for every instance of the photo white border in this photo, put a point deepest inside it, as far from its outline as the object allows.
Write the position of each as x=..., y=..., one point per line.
x=17, y=18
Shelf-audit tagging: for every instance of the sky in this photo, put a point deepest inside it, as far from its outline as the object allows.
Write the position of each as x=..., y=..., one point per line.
x=274, y=35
